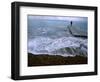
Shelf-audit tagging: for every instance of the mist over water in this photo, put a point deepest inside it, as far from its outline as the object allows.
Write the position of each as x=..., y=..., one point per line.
x=50, y=35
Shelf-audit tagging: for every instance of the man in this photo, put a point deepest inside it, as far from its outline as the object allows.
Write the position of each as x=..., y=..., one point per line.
x=71, y=23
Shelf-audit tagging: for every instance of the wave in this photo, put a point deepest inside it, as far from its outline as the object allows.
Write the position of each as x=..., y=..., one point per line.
x=64, y=46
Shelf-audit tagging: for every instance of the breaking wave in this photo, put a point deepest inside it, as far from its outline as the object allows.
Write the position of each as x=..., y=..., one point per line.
x=64, y=46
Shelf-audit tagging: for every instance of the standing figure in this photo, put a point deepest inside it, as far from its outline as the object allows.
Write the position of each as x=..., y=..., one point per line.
x=71, y=23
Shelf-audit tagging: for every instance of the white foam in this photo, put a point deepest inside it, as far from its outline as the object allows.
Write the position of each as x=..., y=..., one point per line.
x=46, y=45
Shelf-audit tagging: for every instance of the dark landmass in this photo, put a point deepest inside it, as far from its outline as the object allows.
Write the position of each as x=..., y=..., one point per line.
x=47, y=60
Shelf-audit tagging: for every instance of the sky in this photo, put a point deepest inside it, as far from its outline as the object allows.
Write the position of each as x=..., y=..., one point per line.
x=69, y=18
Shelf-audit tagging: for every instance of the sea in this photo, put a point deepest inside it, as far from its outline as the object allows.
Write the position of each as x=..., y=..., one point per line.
x=52, y=37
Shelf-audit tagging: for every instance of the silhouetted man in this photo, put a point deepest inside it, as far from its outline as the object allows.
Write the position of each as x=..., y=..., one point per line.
x=71, y=23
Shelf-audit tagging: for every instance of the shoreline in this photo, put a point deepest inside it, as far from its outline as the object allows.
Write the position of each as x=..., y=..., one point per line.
x=48, y=60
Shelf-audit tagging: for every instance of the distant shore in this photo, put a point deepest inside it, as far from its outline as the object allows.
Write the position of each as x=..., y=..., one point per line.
x=46, y=60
